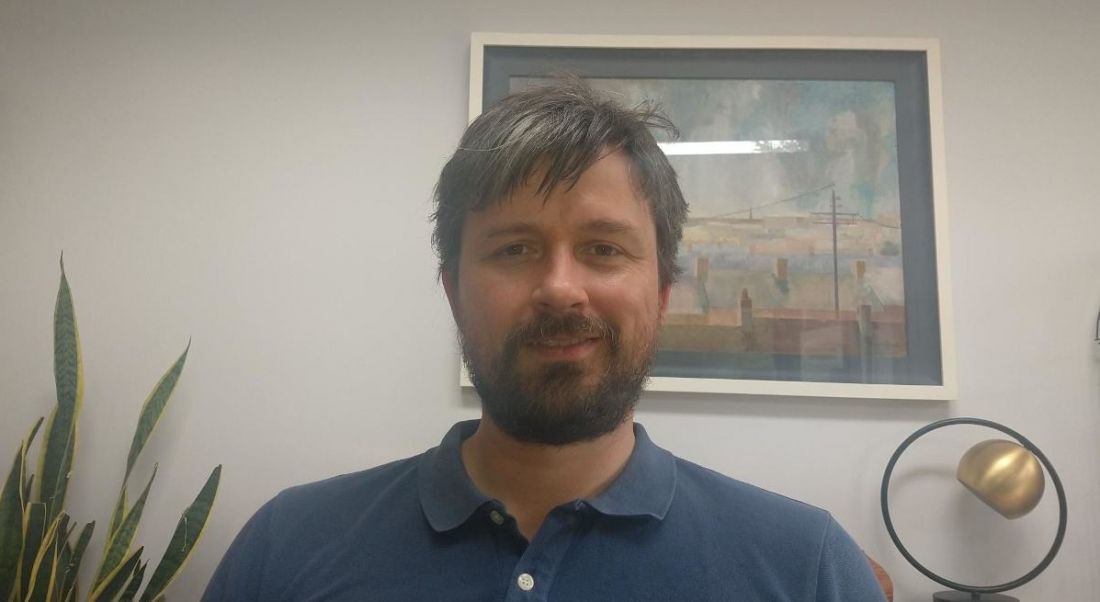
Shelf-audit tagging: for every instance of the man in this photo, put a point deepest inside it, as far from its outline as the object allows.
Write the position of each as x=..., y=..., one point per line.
x=557, y=225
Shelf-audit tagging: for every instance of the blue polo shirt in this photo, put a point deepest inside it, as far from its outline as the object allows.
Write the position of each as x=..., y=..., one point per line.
x=418, y=529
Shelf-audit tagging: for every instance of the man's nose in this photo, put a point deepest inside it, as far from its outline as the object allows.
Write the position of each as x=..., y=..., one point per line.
x=561, y=283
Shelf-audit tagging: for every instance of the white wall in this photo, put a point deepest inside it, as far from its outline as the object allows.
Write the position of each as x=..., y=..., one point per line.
x=257, y=176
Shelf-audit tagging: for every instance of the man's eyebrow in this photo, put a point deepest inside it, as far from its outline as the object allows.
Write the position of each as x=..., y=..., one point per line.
x=609, y=226
x=600, y=226
x=511, y=230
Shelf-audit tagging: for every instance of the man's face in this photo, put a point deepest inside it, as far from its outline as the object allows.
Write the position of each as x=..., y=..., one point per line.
x=558, y=303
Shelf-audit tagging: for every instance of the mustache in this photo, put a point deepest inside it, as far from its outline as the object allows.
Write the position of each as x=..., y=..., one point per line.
x=562, y=325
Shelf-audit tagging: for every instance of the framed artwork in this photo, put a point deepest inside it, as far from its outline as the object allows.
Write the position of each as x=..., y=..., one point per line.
x=815, y=257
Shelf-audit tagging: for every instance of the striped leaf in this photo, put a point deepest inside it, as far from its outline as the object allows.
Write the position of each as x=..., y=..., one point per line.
x=28, y=479
x=118, y=543
x=150, y=415
x=153, y=407
x=134, y=585
x=27, y=487
x=43, y=570
x=68, y=579
x=34, y=531
x=64, y=556
x=34, y=432
x=117, y=515
x=11, y=523
x=117, y=579
x=57, y=453
x=188, y=531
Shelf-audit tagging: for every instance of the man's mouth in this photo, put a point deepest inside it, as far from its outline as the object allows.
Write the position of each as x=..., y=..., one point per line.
x=561, y=338
x=564, y=348
x=563, y=341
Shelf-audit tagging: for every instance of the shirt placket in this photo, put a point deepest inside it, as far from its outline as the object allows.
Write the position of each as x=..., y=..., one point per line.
x=532, y=574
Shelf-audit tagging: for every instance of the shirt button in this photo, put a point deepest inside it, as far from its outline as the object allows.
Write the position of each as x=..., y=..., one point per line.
x=496, y=517
x=526, y=582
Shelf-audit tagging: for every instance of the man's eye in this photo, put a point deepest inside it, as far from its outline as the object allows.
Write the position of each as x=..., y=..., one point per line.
x=605, y=250
x=514, y=250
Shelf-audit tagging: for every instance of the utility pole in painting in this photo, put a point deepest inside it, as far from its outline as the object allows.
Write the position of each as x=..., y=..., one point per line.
x=836, y=264
x=849, y=219
x=833, y=218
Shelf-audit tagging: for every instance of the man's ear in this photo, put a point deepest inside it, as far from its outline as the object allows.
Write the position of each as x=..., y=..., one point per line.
x=450, y=287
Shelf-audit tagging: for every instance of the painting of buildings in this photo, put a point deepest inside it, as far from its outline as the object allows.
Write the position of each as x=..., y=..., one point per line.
x=793, y=246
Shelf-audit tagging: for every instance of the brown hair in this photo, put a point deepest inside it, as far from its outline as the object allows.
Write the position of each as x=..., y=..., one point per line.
x=558, y=130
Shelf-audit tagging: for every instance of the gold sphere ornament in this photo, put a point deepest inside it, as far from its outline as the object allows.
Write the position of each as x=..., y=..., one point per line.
x=1004, y=475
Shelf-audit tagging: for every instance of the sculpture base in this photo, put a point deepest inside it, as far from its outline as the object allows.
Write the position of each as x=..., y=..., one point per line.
x=953, y=596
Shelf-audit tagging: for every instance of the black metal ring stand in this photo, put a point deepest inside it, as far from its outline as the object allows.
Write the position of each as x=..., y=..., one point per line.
x=974, y=590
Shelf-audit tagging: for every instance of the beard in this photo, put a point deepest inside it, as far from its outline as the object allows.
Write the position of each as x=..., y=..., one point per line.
x=553, y=404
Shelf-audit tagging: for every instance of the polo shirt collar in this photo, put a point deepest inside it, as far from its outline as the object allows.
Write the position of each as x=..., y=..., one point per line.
x=447, y=494
x=644, y=488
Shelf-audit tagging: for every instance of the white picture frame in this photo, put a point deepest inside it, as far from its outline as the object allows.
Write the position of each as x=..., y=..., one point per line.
x=544, y=54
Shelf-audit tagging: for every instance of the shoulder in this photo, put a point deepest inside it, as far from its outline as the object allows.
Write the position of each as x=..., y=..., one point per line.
x=316, y=511
x=707, y=490
x=288, y=533
x=789, y=545
x=348, y=493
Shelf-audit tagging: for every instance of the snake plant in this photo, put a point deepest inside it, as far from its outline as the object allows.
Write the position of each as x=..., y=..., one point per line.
x=41, y=549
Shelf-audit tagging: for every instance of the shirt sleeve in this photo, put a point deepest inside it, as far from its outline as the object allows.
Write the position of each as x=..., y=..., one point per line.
x=239, y=576
x=844, y=575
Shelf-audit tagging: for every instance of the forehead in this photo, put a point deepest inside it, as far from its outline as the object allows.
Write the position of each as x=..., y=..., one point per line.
x=605, y=193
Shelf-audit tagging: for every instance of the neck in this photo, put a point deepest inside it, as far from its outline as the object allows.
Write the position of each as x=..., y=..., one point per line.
x=532, y=479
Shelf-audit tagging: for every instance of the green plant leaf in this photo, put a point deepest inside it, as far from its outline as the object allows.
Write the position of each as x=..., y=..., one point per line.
x=117, y=515
x=27, y=488
x=64, y=557
x=60, y=445
x=11, y=523
x=28, y=479
x=34, y=530
x=33, y=433
x=134, y=585
x=150, y=415
x=153, y=407
x=115, y=581
x=118, y=543
x=188, y=531
x=68, y=579
x=44, y=568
